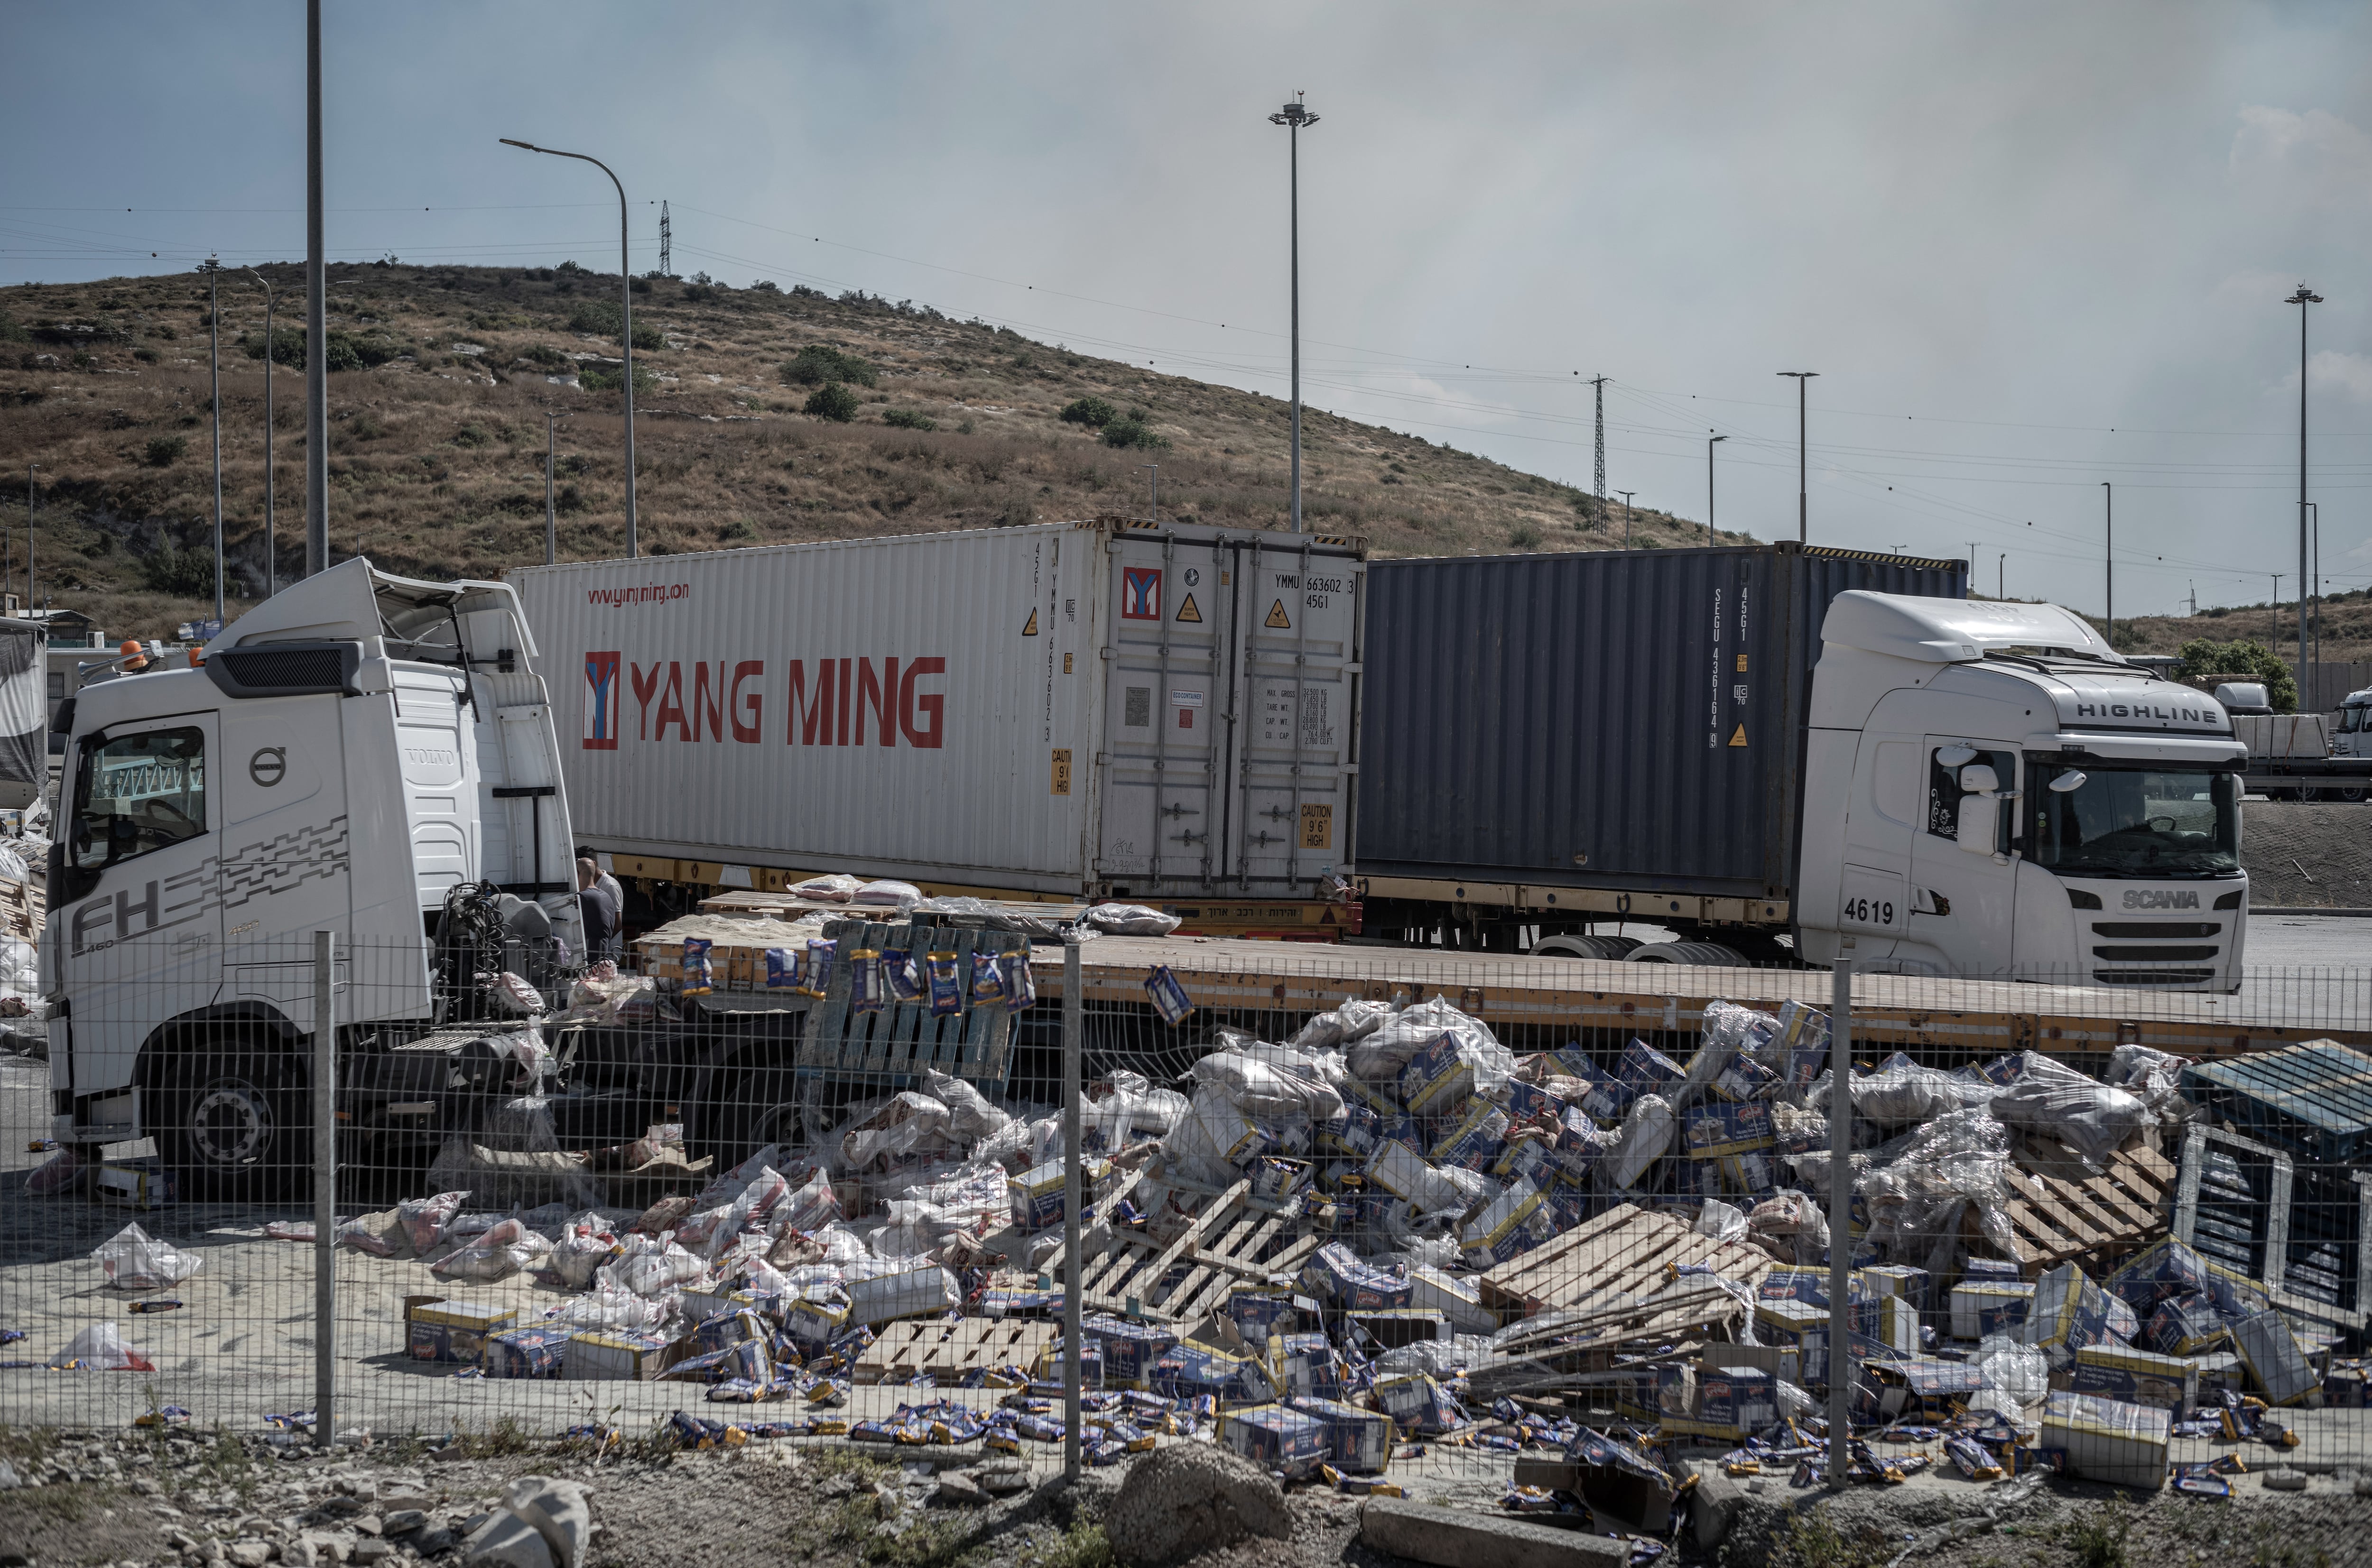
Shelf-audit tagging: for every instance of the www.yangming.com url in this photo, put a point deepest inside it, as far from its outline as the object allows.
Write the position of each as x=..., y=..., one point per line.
x=618, y=598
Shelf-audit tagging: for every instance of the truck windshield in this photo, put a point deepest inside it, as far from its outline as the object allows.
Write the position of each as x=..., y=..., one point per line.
x=2129, y=821
x=2352, y=718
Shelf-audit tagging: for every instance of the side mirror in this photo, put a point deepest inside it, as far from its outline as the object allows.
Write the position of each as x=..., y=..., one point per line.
x=1955, y=756
x=1980, y=818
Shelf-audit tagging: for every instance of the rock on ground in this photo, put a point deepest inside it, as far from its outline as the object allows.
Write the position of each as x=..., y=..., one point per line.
x=1191, y=1498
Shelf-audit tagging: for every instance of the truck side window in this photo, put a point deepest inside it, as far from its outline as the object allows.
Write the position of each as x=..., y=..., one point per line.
x=1944, y=790
x=138, y=794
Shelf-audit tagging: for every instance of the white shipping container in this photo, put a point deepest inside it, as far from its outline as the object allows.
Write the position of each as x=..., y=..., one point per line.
x=1111, y=708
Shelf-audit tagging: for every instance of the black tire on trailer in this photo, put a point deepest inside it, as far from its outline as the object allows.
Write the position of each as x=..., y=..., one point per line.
x=2352, y=794
x=234, y=1121
x=1708, y=954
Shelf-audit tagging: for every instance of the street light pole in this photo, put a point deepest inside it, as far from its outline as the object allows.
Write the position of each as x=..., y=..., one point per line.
x=213, y=372
x=2108, y=558
x=29, y=606
x=550, y=517
x=316, y=331
x=1626, y=495
x=2314, y=509
x=1709, y=445
x=1294, y=117
x=1803, y=488
x=2302, y=298
x=271, y=561
x=626, y=319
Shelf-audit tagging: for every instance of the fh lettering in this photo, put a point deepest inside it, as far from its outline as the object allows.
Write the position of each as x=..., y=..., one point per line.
x=825, y=702
x=113, y=918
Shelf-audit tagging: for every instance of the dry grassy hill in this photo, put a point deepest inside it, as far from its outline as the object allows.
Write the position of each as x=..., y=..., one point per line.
x=436, y=434
x=2346, y=628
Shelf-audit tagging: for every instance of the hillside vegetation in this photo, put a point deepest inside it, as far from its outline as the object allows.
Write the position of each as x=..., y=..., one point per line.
x=762, y=417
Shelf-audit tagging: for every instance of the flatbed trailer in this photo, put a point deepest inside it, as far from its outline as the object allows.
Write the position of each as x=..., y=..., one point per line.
x=2309, y=778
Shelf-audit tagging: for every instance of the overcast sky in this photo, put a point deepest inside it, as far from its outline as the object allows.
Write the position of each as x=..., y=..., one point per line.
x=2027, y=249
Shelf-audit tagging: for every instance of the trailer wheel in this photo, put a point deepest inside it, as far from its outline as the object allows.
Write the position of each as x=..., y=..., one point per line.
x=2352, y=794
x=234, y=1124
x=1706, y=954
x=1583, y=945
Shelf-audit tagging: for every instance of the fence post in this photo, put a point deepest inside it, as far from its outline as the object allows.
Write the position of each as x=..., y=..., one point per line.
x=325, y=1194
x=1840, y=1222
x=1072, y=1021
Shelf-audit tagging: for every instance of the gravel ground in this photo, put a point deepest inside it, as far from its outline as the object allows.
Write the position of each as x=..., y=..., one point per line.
x=2307, y=855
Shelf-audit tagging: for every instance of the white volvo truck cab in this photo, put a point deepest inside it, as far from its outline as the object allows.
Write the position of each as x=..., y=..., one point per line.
x=1990, y=792
x=2351, y=735
x=360, y=753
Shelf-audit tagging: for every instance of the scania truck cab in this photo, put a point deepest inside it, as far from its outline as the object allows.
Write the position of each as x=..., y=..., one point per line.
x=361, y=753
x=2018, y=803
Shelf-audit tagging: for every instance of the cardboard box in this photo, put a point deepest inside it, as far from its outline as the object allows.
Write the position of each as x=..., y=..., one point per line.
x=1745, y=1079
x=1416, y=1403
x=2137, y=1377
x=136, y=1183
x=1460, y=1300
x=1260, y=1311
x=618, y=1356
x=2108, y=1440
x=1732, y=1401
x=525, y=1353
x=1512, y=1225
x=1644, y=1070
x=1809, y=1286
x=1392, y=1326
x=1437, y=1077
x=1478, y=1140
x=1723, y=1127
x=1336, y=1273
x=1783, y=1362
x=1306, y=1367
x=2165, y=1271
x=1786, y=1323
x=1354, y=1133
x=2183, y=1326
x=1191, y=1370
x=2276, y=1366
x=1356, y=1440
x=1276, y=1438
x=1752, y=1174
x=1989, y=1306
x=1899, y=1279
x=1804, y=1032
x=438, y=1329
x=2069, y=1313
x=1130, y=1351
x=907, y=1293
x=1608, y=1097
x=1036, y=1193
x=1526, y=1101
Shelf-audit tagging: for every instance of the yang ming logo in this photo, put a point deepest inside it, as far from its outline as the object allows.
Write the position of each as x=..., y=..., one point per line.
x=2159, y=899
x=602, y=702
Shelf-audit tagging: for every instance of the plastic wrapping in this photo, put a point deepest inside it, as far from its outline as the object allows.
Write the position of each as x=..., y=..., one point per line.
x=609, y=1001
x=1355, y=1019
x=837, y=889
x=1901, y=1095
x=650, y=1266
x=2154, y=1078
x=888, y=894
x=906, y=1124
x=1645, y=1137
x=610, y=1309
x=2054, y=1100
x=101, y=1348
x=1265, y=1092
x=1914, y=1188
x=585, y=1244
x=1129, y=920
x=133, y=1259
x=969, y=1116
x=1382, y=1055
x=2020, y=1371
x=1721, y=1221
x=502, y=1250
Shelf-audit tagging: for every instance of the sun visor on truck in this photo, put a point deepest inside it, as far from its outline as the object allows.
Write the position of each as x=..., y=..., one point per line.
x=287, y=669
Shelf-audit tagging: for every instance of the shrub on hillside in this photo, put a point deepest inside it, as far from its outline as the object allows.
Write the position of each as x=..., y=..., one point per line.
x=186, y=573
x=164, y=451
x=818, y=364
x=1132, y=431
x=1094, y=413
x=907, y=419
x=832, y=400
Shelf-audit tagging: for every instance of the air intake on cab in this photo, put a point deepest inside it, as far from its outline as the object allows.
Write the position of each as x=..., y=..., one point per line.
x=287, y=669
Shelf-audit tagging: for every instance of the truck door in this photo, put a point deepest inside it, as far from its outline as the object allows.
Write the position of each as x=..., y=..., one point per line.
x=1881, y=814
x=1962, y=901
x=139, y=936
x=1296, y=615
x=286, y=848
x=1166, y=689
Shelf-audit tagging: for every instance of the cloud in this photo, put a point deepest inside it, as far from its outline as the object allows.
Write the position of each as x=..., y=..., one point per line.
x=2333, y=370
x=2331, y=158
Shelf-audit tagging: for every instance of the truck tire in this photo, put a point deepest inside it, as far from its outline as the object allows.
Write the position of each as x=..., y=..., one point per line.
x=1581, y=945
x=233, y=1123
x=1708, y=954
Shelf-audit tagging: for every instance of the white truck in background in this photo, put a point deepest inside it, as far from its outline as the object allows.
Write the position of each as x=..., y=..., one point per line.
x=362, y=753
x=2351, y=735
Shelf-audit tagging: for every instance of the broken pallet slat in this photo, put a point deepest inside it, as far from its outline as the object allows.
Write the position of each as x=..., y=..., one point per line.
x=1625, y=1251
x=2097, y=1216
x=948, y=1350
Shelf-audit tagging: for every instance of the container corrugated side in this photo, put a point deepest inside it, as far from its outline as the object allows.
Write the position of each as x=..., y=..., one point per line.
x=896, y=706
x=1620, y=720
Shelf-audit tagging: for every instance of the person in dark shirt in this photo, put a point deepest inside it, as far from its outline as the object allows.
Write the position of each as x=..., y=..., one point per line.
x=602, y=914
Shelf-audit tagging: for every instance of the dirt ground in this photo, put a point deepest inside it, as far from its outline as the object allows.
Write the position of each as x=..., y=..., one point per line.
x=2305, y=854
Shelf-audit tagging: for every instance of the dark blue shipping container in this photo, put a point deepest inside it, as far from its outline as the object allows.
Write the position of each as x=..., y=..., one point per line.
x=1626, y=720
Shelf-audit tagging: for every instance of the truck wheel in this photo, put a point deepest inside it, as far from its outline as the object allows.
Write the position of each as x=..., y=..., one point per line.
x=1710, y=954
x=1581, y=945
x=233, y=1125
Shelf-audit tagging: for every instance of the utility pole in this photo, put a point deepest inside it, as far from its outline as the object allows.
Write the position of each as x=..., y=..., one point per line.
x=551, y=517
x=1803, y=491
x=2274, y=637
x=2108, y=558
x=213, y=269
x=2001, y=579
x=2302, y=298
x=271, y=560
x=1626, y=495
x=316, y=331
x=1710, y=439
x=1294, y=116
x=1972, y=565
x=28, y=536
x=2314, y=509
x=626, y=323
x=667, y=244
x=1599, y=384
x=2194, y=598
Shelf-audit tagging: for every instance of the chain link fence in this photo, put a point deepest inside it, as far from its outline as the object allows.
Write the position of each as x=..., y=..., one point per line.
x=1555, y=1225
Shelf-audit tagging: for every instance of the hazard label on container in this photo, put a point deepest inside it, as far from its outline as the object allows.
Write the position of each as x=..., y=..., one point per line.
x=1187, y=612
x=1740, y=737
x=1030, y=628
x=1276, y=618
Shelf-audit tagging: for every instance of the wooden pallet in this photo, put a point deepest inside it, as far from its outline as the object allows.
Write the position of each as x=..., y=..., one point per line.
x=948, y=1350
x=2096, y=1220
x=1233, y=1239
x=890, y=1048
x=1625, y=1254
x=22, y=910
x=2271, y=1221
